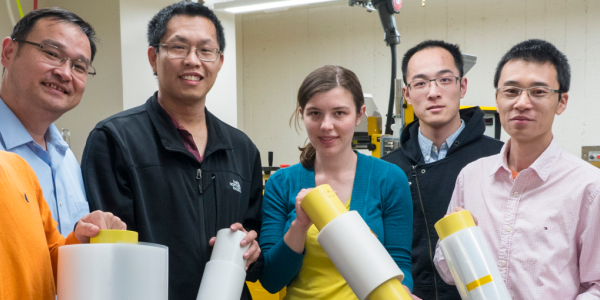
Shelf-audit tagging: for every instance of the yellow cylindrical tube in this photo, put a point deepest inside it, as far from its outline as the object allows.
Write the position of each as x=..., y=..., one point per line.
x=113, y=236
x=454, y=222
x=390, y=290
x=322, y=205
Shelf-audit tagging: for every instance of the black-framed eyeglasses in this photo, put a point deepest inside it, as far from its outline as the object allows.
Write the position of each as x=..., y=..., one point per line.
x=181, y=50
x=424, y=84
x=54, y=56
x=535, y=92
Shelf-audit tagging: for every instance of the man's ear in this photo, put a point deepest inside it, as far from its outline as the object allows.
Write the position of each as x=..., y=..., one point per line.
x=9, y=50
x=562, y=103
x=152, y=58
x=221, y=61
x=406, y=95
x=463, y=87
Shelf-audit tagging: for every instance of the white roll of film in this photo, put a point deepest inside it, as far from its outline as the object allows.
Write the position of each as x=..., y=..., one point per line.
x=225, y=273
x=113, y=272
x=470, y=259
x=357, y=254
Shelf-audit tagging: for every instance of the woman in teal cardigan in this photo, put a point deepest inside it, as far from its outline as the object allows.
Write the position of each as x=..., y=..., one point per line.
x=331, y=104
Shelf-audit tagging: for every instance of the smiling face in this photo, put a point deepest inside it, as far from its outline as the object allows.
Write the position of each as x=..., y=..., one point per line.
x=436, y=107
x=330, y=118
x=529, y=120
x=186, y=80
x=38, y=85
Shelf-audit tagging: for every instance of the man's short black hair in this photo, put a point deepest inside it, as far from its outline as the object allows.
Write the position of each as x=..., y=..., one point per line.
x=157, y=27
x=25, y=25
x=452, y=48
x=538, y=51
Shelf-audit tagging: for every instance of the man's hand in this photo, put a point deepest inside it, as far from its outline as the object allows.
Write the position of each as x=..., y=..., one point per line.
x=253, y=252
x=457, y=209
x=90, y=225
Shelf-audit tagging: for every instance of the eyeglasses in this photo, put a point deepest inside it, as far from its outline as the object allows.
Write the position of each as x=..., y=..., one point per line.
x=181, y=50
x=535, y=93
x=421, y=85
x=56, y=57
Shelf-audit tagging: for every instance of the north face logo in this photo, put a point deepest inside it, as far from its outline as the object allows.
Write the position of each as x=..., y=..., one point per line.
x=236, y=186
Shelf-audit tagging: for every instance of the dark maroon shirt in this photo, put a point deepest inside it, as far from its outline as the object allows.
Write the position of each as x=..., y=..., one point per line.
x=188, y=140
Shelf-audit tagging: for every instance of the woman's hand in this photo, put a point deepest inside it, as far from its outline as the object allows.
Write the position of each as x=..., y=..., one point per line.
x=302, y=219
x=296, y=235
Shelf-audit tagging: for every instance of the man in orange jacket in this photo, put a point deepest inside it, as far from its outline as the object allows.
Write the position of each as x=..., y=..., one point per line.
x=29, y=239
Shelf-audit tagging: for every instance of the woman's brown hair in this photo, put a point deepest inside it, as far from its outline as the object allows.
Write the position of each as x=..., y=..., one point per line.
x=322, y=80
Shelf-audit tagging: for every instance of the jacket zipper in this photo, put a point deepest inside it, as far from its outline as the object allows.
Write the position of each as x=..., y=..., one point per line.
x=201, y=213
x=428, y=234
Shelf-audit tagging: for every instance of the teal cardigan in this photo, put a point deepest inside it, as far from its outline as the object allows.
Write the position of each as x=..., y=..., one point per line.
x=380, y=195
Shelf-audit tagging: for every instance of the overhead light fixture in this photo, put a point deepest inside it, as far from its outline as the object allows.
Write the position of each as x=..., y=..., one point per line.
x=238, y=7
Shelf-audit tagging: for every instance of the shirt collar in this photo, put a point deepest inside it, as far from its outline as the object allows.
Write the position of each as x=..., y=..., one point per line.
x=14, y=134
x=542, y=166
x=12, y=131
x=54, y=137
x=426, y=144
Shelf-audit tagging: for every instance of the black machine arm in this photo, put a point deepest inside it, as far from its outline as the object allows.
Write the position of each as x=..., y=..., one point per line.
x=386, y=9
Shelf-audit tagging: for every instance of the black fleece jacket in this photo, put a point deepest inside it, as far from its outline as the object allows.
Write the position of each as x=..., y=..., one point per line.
x=431, y=186
x=136, y=166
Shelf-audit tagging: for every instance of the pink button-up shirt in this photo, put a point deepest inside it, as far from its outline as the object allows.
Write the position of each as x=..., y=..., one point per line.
x=543, y=226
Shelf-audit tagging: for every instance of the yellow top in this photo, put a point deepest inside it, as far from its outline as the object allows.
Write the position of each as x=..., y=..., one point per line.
x=318, y=277
x=454, y=222
x=113, y=236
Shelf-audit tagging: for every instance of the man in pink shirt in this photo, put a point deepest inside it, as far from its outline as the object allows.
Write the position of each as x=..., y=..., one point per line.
x=538, y=206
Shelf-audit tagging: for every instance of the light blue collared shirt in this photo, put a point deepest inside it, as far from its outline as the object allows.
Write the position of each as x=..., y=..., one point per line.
x=57, y=169
x=430, y=151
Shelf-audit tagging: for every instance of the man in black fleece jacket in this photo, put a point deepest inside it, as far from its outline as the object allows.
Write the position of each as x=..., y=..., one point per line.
x=170, y=169
x=434, y=149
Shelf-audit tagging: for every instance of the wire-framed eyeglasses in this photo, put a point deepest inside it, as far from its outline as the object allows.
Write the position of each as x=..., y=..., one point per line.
x=418, y=85
x=181, y=50
x=535, y=92
x=54, y=56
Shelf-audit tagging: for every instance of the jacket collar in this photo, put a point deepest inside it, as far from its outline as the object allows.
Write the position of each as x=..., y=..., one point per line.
x=474, y=129
x=218, y=137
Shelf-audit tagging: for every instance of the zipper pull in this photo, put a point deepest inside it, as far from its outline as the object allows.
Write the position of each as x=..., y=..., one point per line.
x=199, y=177
x=414, y=172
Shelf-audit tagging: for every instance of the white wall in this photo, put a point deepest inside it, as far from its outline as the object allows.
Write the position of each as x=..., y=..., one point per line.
x=222, y=98
x=280, y=49
x=139, y=83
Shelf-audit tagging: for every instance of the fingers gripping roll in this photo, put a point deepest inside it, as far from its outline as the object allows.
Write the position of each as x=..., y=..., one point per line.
x=224, y=274
x=358, y=255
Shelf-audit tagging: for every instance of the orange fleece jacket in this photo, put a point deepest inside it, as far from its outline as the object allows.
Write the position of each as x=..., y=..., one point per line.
x=29, y=239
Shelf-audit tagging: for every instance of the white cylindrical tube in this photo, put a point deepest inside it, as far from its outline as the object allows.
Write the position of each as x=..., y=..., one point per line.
x=225, y=273
x=357, y=254
x=470, y=259
x=113, y=272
